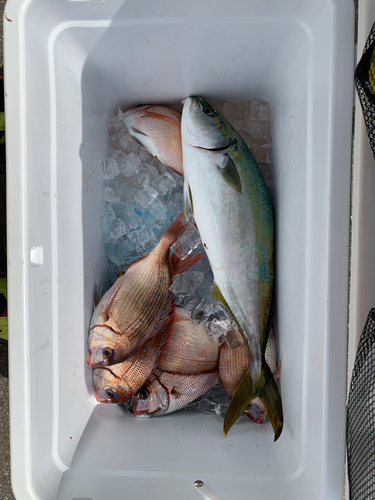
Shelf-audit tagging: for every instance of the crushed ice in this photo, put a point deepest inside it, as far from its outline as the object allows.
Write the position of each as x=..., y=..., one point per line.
x=143, y=197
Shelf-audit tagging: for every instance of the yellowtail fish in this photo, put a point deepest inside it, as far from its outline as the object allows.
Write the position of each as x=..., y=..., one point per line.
x=157, y=129
x=166, y=392
x=226, y=193
x=138, y=305
x=120, y=382
x=234, y=363
x=189, y=349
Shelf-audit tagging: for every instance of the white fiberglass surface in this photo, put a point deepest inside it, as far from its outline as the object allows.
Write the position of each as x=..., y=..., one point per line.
x=143, y=54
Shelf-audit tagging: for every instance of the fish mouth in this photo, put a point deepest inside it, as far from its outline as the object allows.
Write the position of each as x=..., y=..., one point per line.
x=198, y=130
x=190, y=104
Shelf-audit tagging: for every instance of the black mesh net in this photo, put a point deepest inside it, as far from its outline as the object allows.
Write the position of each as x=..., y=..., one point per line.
x=361, y=417
x=365, y=83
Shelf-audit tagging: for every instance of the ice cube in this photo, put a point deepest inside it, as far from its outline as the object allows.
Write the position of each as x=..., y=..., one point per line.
x=167, y=198
x=143, y=238
x=129, y=250
x=158, y=229
x=215, y=402
x=143, y=198
x=225, y=330
x=110, y=169
x=125, y=187
x=149, y=169
x=120, y=116
x=177, y=177
x=203, y=265
x=164, y=182
x=217, y=327
x=107, y=218
x=198, y=313
x=260, y=110
x=261, y=151
x=114, y=125
x=218, y=321
x=118, y=228
x=150, y=191
x=115, y=154
x=205, y=287
x=187, y=242
x=216, y=311
x=237, y=113
x=187, y=300
x=176, y=204
x=130, y=165
x=127, y=143
x=114, y=270
x=157, y=209
x=160, y=166
x=141, y=179
x=126, y=213
x=144, y=155
x=187, y=282
x=259, y=130
x=111, y=191
x=115, y=253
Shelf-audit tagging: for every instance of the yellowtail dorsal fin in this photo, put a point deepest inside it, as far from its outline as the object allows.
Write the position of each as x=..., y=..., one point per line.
x=188, y=200
x=231, y=176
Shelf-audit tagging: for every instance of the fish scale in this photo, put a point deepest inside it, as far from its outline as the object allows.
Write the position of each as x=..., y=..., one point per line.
x=189, y=349
x=226, y=193
x=158, y=129
x=168, y=392
x=234, y=363
x=126, y=378
x=141, y=305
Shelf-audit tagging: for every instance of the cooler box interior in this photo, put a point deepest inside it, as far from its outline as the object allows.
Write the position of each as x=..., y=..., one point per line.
x=69, y=65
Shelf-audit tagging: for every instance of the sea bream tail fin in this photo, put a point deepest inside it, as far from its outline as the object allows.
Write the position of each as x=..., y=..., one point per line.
x=266, y=390
x=188, y=199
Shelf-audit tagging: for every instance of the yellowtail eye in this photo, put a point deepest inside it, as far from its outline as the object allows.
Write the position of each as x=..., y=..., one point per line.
x=207, y=111
x=107, y=353
x=110, y=394
x=143, y=393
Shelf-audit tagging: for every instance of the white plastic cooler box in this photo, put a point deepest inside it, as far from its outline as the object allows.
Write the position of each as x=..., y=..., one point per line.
x=68, y=65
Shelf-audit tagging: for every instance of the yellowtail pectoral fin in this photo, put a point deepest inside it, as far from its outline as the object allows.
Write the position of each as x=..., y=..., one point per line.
x=188, y=200
x=231, y=176
x=266, y=390
x=217, y=295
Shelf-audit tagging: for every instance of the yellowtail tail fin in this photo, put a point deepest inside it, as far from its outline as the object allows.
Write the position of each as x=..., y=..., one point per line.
x=266, y=390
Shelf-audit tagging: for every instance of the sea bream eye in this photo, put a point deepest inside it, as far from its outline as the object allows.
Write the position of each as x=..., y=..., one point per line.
x=144, y=393
x=107, y=353
x=110, y=394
